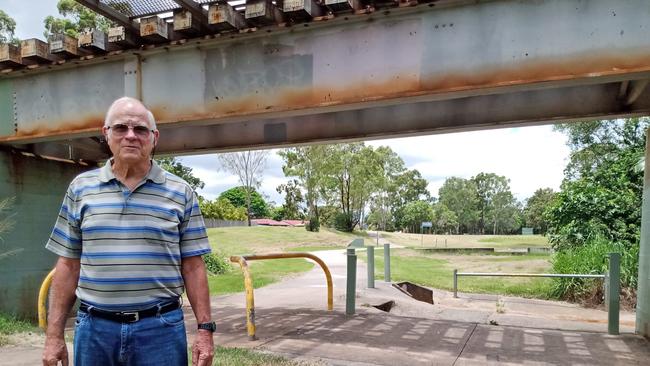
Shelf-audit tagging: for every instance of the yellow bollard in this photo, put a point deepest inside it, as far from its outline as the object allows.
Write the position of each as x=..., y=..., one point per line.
x=250, y=300
x=42, y=298
x=248, y=283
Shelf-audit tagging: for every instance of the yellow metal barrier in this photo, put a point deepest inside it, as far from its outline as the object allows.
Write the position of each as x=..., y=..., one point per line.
x=42, y=298
x=248, y=282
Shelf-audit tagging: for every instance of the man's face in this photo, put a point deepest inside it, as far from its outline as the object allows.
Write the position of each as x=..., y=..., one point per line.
x=129, y=134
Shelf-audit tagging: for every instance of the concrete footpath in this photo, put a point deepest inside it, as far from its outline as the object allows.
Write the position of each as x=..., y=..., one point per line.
x=292, y=320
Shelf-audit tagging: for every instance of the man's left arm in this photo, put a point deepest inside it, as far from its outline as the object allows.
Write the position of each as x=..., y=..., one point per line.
x=196, y=286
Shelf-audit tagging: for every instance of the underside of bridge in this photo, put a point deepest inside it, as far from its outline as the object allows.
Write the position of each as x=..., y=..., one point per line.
x=435, y=67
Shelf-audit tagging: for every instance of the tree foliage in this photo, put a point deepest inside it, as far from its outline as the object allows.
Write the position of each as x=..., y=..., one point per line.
x=292, y=207
x=536, y=205
x=415, y=213
x=175, y=167
x=7, y=29
x=444, y=220
x=460, y=196
x=222, y=209
x=306, y=165
x=601, y=193
x=248, y=166
x=76, y=18
x=239, y=197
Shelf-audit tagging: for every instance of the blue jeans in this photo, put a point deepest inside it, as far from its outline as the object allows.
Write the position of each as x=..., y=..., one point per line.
x=156, y=340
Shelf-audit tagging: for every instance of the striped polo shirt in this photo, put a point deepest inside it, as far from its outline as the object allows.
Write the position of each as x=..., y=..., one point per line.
x=130, y=244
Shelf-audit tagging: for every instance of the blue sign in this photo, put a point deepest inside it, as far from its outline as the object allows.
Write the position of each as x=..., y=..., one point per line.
x=427, y=224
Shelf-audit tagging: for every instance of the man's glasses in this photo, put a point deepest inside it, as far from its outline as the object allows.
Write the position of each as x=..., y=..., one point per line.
x=120, y=129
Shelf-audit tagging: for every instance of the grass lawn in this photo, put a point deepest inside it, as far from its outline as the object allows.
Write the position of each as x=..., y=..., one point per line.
x=229, y=356
x=436, y=271
x=466, y=241
x=263, y=272
x=267, y=239
x=9, y=325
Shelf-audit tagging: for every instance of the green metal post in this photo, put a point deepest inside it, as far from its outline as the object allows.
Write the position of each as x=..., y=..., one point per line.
x=371, y=266
x=352, y=282
x=613, y=287
x=643, y=287
x=387, y=262
x=455, y=283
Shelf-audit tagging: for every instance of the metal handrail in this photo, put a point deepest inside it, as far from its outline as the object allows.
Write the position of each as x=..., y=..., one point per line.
x=612, y=286
x=248, y=282
x=42, y=299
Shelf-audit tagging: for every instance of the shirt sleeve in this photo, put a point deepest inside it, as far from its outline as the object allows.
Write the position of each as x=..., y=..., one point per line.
x=65, y=239
x=194, y=238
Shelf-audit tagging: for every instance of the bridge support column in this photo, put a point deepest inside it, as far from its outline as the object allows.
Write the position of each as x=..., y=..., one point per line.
x=643, y=291
x=36, y=187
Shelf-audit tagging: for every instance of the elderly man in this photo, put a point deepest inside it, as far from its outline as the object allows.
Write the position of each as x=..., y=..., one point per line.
x=129, y=238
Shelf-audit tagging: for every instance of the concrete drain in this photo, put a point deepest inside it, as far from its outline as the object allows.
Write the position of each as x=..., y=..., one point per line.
x=416, y=292
x=385, y=306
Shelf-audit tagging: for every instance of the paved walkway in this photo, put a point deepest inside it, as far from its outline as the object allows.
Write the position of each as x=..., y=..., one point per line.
x=292, y=320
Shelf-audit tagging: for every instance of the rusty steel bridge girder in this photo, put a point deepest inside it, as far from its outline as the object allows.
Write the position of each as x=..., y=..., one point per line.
x=459, y=65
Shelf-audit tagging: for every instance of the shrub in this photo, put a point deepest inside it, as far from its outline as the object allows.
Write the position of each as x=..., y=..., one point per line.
x=343, y=222
x=216, y=263
x=313, y=224
x=592, y=258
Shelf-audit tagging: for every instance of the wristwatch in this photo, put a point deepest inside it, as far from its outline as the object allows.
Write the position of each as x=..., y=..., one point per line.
x=211, y=326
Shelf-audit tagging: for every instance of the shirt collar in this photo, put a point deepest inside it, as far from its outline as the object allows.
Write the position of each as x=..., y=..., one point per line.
x=156, y=173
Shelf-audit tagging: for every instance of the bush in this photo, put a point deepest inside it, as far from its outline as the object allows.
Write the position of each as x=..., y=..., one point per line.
x=216, y=263
x=313, y=224
x=592, y=258
x=343, y=222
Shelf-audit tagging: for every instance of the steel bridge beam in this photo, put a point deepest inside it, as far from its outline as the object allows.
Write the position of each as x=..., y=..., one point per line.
x=453, y=66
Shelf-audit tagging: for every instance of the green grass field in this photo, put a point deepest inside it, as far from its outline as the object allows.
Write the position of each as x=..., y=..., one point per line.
x=436, y=271
x=262, y=272
x=266, y=239
x=466, y=241
x=427, y=269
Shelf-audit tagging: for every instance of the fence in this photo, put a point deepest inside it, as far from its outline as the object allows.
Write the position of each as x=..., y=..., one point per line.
x=212, y=223
x=612, y=286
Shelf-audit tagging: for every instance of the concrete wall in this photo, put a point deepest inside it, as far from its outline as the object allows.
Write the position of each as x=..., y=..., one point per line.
x=38, y=186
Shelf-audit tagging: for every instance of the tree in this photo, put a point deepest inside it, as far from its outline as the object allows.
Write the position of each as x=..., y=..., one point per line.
x=175, y=167
x=222, y=209
x=76, y=18
x=292, y=207
x=488, y=187
x=252, y=201
x=535, y=207
x=415, y=213
x=603, y=185
x=7, y=29
x=460, y=196
x=248, y=166
x=305, y=163
x=444, y=219
x=351, y=177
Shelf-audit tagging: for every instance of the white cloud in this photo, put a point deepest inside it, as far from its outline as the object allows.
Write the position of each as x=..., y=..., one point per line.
x=531, y=157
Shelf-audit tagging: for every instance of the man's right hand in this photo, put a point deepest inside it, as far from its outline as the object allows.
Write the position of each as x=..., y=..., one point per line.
x=55, y=351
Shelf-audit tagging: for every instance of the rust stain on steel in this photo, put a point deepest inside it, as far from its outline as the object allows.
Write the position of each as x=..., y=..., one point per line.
x=88, y=124
x=583, y=65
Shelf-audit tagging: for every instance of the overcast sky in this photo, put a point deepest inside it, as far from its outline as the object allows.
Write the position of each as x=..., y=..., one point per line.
x=531, y=157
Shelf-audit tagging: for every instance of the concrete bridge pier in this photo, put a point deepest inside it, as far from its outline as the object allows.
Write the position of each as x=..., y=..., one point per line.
x=37, y=186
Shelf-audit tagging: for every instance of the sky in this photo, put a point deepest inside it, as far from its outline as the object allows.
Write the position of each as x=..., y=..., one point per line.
x=531, y=157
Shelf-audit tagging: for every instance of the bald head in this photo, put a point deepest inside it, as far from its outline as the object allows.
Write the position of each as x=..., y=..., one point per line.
x=129, y=104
